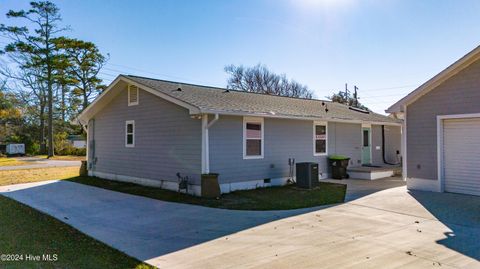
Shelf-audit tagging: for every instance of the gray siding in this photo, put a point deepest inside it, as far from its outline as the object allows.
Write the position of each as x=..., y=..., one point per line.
x=393, y=143
x=167, y=140
x=458, y=95
x=283, y=139
x=393, y=139
x=346, y=139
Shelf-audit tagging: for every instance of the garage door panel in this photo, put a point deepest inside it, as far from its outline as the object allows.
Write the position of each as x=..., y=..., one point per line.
x=461, y=155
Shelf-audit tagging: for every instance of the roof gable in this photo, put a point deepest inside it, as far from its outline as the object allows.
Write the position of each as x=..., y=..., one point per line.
x=438, y=79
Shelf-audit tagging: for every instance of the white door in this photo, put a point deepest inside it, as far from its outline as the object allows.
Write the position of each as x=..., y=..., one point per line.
x=461, y=155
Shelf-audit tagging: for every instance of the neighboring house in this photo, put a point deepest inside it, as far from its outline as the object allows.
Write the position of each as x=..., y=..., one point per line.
x=77, y=141
x=146, y=130
x=442, y=123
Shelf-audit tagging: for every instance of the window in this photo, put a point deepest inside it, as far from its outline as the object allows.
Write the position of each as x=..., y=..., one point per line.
x=132, y=95
x=366, y=138
x=252, y=138
x=319, y=139
x=130, y=134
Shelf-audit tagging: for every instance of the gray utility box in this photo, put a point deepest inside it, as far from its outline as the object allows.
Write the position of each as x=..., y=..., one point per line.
x=307, y=175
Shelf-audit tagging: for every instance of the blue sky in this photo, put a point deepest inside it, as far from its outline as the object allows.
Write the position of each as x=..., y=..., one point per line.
x=386, y=48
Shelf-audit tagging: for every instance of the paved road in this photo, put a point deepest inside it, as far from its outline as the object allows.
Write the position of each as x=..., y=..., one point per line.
x=392, y=228
x=40, y=163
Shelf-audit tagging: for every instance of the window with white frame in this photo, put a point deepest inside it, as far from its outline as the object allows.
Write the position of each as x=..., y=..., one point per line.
x=253, y=138
x=129, y=133
x=319, y=139
x=132, y=95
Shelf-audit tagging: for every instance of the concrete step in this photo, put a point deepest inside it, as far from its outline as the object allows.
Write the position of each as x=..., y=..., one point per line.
x=372, y=173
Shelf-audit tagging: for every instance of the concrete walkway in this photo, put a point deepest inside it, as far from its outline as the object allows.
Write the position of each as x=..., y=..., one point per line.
x=392, y=228
x=40, y=163
x=357, y=188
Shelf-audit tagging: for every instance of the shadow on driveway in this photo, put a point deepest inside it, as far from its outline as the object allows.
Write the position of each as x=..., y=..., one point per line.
x=460, y=213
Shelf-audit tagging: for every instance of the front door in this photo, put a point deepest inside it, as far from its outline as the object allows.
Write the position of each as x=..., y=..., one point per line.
x=366, y=146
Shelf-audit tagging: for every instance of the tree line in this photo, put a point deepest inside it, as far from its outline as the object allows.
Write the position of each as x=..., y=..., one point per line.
x=46, y=77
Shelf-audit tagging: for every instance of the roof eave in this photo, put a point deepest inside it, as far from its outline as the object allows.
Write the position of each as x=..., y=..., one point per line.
x=268, y=115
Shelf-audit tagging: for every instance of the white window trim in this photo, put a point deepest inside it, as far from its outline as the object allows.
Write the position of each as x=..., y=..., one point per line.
x=253, y=120
x=138, y=95
x=323, y=123
x=126, y=133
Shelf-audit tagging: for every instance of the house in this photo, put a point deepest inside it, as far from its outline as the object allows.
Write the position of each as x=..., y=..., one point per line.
x=442, y=130
x=147, y=130
x=77, y=141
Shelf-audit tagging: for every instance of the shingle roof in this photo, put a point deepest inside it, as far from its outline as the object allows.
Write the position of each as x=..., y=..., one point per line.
x=230, y=101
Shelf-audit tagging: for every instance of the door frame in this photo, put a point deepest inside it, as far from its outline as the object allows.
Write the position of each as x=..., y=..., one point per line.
x=440, y=120
x=369, y=127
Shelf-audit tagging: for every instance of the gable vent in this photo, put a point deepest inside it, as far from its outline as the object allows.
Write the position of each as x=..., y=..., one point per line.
x=132, y=95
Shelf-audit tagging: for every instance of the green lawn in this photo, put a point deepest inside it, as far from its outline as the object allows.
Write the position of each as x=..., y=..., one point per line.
x=24, y=230
x=272, y=198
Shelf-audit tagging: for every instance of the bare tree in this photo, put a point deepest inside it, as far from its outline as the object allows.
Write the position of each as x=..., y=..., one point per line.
x=32, y=90
x=260, y=79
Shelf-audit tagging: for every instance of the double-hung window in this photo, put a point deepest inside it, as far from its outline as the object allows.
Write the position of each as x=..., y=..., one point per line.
x=253, y=143
x=319, y=138
x=130, y=133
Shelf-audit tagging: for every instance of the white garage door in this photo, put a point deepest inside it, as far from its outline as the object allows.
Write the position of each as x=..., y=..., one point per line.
x=461, y=155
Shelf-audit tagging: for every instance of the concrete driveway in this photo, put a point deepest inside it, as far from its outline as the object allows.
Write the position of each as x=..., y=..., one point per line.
x=391, y=228
x=141, y=227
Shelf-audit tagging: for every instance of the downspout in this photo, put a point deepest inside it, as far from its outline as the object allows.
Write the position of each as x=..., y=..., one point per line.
x=206, y=142
x=91, y=146
x=404, y=144
x=383, y=147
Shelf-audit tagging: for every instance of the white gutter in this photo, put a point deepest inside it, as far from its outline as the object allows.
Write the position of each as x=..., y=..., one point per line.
x=268, y=115
x=206, y=142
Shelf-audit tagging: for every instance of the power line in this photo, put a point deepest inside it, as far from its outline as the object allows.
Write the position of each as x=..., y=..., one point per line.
x=381, y=96
x=156, y=74
x=392, y=88
x=182, y=78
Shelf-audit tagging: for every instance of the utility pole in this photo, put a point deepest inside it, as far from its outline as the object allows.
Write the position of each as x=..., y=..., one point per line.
x=355, y=95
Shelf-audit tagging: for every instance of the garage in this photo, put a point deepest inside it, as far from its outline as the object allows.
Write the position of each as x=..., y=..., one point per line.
x=461, y=155
x=441, y=130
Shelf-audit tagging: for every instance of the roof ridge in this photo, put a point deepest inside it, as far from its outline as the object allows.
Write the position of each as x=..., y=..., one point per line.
x=244, y=92
x=226, y=89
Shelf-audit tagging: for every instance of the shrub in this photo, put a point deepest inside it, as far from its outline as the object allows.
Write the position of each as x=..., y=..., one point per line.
x=63, y=146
